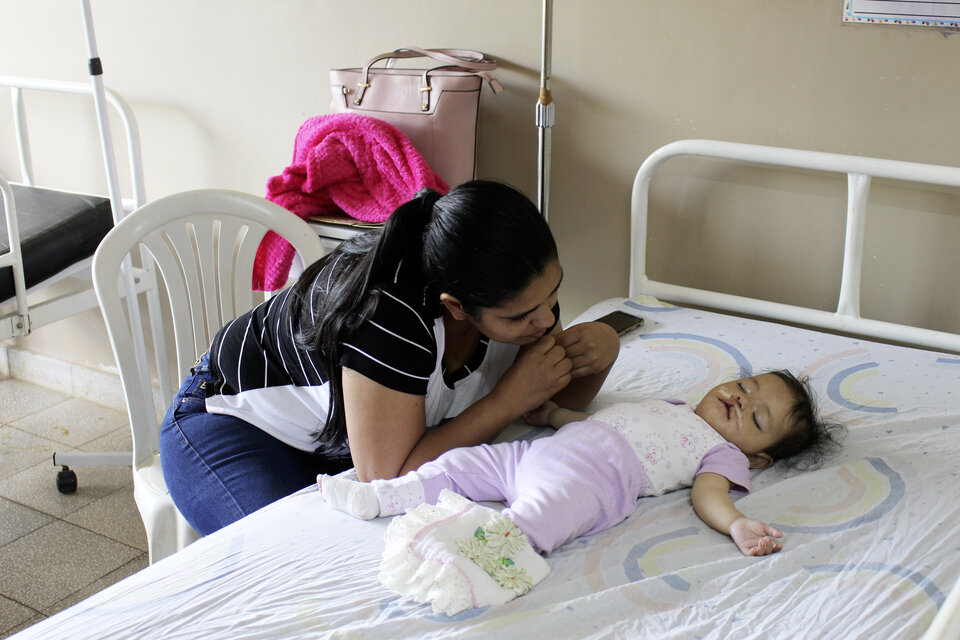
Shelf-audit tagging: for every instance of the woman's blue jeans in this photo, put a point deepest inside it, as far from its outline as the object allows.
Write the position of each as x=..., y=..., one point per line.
x=220, y=468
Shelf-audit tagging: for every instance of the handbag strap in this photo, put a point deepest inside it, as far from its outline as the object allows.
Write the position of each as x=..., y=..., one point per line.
x=453, y=59
x=464, y=58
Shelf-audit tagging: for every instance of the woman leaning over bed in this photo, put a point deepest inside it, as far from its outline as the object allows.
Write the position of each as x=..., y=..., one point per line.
x=448, y=316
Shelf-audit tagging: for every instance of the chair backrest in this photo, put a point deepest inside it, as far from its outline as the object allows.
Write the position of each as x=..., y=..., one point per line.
x=204, y=243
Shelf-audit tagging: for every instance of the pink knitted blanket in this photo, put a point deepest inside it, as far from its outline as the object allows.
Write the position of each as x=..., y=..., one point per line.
x=356, y=164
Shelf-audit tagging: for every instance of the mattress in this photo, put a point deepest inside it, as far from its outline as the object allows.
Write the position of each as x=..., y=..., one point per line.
x=871, y=547
x=57, y=230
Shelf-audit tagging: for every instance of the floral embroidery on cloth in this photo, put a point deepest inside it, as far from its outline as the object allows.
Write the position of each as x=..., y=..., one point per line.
x=458, y=555
x=493, y=547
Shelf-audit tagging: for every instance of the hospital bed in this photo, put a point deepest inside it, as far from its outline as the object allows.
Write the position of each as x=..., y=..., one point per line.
x=54, y=231
x=872, y=538
x=48, y=234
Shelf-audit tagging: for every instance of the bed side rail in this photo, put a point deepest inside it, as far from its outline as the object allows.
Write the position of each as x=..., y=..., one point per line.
x=859, y=171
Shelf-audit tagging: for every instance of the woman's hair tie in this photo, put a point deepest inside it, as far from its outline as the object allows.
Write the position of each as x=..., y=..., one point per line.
x=428, y=198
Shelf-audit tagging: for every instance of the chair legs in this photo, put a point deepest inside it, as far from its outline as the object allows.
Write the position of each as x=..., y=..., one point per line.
x=185, y=533
x=167, y=531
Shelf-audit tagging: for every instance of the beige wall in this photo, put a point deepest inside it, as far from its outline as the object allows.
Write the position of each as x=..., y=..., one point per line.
x=219, y=88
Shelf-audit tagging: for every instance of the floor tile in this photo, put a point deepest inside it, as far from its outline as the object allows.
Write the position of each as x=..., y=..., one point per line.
x=50, y=564
x=19, y=399
x=73, y=422
x=57, y=549
x=20, y=627
x=17, y=520
x=13, y=615
x=115, y=516
x=21, y=450
x=117, y=440
x=130, y=568
x=36, y=487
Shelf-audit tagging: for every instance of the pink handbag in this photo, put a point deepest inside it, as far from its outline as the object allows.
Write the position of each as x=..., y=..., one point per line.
x=436, y=108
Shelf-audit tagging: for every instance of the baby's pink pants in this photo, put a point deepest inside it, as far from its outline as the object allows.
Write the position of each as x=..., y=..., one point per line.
x=581, y=480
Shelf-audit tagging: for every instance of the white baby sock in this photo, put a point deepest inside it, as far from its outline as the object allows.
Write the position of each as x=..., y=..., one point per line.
x=366, y=500
x=359, y=499
x=399, y=494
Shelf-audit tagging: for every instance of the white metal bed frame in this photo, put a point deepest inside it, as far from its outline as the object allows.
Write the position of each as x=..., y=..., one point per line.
x=26, y=318
x=859, y=171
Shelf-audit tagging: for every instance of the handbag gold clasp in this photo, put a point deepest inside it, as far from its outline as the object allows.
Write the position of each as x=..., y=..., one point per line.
x=425, y=90
x=363, y=87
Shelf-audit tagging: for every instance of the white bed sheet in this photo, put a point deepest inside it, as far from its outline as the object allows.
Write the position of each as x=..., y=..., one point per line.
x=872, y=542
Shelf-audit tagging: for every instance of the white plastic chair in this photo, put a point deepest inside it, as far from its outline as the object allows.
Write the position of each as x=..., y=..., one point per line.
x=204, y=243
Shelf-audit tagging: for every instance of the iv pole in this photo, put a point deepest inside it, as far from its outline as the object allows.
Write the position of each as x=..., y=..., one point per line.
x=544, y=112
x=113, y=183
x=67, y=478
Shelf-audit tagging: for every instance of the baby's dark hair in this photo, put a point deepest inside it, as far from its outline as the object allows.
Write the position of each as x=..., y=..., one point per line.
x=810, y=439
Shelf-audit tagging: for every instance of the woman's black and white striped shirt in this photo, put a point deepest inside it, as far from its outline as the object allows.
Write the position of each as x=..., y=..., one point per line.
x=263, y=377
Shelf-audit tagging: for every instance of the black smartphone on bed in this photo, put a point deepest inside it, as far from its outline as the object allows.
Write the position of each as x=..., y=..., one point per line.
x=621, y=321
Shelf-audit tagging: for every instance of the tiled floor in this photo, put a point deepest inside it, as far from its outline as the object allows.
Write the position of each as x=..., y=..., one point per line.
x=57, y=549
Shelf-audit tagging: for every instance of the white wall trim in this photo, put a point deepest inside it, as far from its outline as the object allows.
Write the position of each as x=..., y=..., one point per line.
x=93, y=385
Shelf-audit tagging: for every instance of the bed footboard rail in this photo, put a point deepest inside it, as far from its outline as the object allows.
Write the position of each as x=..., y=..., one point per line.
x=859, y=172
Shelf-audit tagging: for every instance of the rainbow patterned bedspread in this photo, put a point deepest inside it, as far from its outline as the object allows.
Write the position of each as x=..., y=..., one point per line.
x=872, y=541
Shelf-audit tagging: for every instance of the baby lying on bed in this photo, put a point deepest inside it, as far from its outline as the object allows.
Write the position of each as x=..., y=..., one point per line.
x=589, y=475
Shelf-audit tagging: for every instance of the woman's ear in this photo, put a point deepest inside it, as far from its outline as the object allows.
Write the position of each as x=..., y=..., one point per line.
x=759, y=460
x=453, y=306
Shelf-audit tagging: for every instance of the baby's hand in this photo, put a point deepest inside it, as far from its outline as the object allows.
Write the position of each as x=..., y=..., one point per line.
x=541, y=415
x=755, y=538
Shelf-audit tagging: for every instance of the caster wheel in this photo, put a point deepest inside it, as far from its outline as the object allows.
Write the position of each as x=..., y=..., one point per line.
x=66, y=480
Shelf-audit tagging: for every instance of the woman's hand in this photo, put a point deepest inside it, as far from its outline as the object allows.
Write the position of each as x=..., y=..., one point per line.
x=591, y=347
x=540, y=417
x=540, y=371
x=387, y=428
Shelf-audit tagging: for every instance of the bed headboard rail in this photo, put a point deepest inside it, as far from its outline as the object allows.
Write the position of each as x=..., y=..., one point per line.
x=859, y=171
x=18, y=85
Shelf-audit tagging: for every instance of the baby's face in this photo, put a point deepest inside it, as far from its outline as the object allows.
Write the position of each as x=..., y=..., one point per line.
x=750, y=413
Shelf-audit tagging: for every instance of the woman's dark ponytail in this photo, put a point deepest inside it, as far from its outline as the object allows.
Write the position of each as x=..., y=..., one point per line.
x=403, y=234
x=343, y=300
